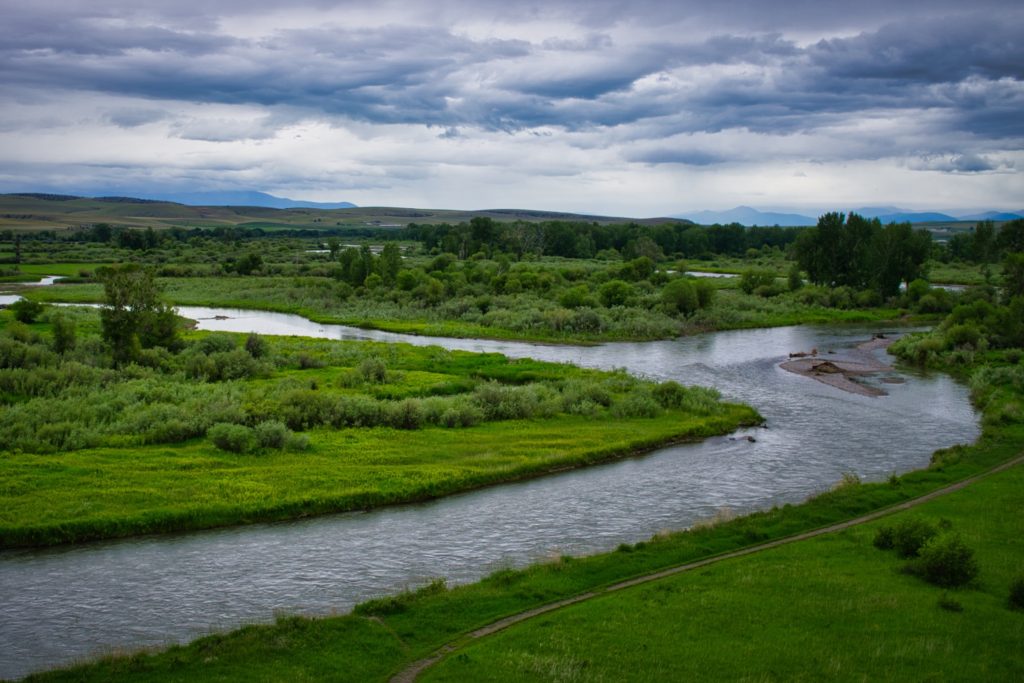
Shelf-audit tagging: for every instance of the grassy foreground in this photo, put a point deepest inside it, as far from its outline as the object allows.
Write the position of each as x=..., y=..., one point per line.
x=828, y=608
x=380, y=637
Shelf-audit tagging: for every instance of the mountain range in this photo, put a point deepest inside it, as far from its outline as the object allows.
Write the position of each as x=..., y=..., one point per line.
x=242, y=198
x=745, y=215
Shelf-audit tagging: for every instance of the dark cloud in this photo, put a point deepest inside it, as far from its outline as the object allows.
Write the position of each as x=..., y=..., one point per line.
x=680, y=156
x=756, y=75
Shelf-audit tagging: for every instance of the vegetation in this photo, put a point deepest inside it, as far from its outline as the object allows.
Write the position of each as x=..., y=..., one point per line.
x=233, y=429
x=272, y=429
x=808, y=596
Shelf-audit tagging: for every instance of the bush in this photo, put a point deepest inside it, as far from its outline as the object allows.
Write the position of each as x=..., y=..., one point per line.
x=26, y=311
x=753, y=279
x=615, y=293
x=946, y=561
x=271, y=434
x=885, y=538
x=911, y=534
x=636, y=404
x=232, y=437
x=256, y=345
x=373, y=370
x=680, y=296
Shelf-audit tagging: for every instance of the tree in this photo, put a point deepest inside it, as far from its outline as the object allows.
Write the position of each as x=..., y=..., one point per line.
x=389, y=263
x=134, y=318
x=63, y=333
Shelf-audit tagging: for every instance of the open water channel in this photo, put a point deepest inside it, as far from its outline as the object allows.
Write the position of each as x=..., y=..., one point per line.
x=65, y=604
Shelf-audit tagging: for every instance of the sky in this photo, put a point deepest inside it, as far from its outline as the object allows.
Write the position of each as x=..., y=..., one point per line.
x=636, y=108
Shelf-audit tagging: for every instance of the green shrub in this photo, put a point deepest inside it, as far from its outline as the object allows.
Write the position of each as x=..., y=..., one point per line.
x=680, y=296
x=946, y=561
x=636, y=404
x=373, y=370
x=232, y=437
x=26, y=311
x=885, y=538
x=615, y=293
x=753, y=279
x=271, y=434
x=63, y=333
x=256, y=345
x=911, y=534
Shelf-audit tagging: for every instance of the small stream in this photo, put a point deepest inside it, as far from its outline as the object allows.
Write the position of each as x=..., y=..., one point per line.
x=65, y=604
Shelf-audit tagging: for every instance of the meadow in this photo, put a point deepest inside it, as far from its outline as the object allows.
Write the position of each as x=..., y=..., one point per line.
x=234, y=429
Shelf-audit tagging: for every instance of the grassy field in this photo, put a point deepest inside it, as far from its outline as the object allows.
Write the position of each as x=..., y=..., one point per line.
x=829, y=608
x=108, y=492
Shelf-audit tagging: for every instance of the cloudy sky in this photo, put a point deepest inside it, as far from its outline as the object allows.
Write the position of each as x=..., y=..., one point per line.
x=634, y=108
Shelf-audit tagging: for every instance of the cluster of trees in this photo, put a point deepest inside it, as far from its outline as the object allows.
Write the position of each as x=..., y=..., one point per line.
x=587, y=240
x=984, y=244
x=853, y=251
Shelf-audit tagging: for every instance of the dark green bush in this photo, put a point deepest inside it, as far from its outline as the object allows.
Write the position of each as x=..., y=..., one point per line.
x=26, y=311
x=911, y=534
x=271, y=434
x=753, y=279
x=946, y=561
x=256, y=345
x=232, y=437
x=885, y=538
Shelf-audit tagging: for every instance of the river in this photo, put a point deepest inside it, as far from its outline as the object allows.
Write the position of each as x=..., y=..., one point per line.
x=66, y=604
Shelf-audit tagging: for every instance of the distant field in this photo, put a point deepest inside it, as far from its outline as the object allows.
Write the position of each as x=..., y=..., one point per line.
x=32, y=213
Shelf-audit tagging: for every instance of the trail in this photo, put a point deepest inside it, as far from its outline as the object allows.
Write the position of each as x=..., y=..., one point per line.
x=411, y=672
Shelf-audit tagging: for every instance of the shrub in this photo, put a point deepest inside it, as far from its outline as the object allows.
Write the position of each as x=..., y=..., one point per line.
x=271, y=434
x=911, y=534
x=256, y=345
x=636, y=404
x=680, y=296
x=885, y=538
x=216, y=342
x=373, y=370
x=63, y=333
x=1017, y=593
x=26, y=311
x=754, y=278
x=946, y=561
x=232, y=437
x=615, y=293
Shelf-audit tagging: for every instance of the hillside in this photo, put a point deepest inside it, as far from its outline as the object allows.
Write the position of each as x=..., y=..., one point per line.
x=43, y=211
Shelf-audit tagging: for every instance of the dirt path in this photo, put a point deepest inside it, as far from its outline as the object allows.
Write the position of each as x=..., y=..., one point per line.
x=411, y=672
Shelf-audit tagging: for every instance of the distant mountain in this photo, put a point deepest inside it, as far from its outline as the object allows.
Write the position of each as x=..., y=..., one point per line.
x=260, y=199
x=745, y=215
x=889, y=214
x=993, y=216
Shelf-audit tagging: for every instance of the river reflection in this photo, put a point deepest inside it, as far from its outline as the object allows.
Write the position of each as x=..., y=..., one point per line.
x=67, y=603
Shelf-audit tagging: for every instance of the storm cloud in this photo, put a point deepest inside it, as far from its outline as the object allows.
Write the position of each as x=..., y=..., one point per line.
x=928, y=88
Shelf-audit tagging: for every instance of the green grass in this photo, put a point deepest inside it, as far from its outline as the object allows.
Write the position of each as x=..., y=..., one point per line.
x=109, y=492
x=828, y=608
